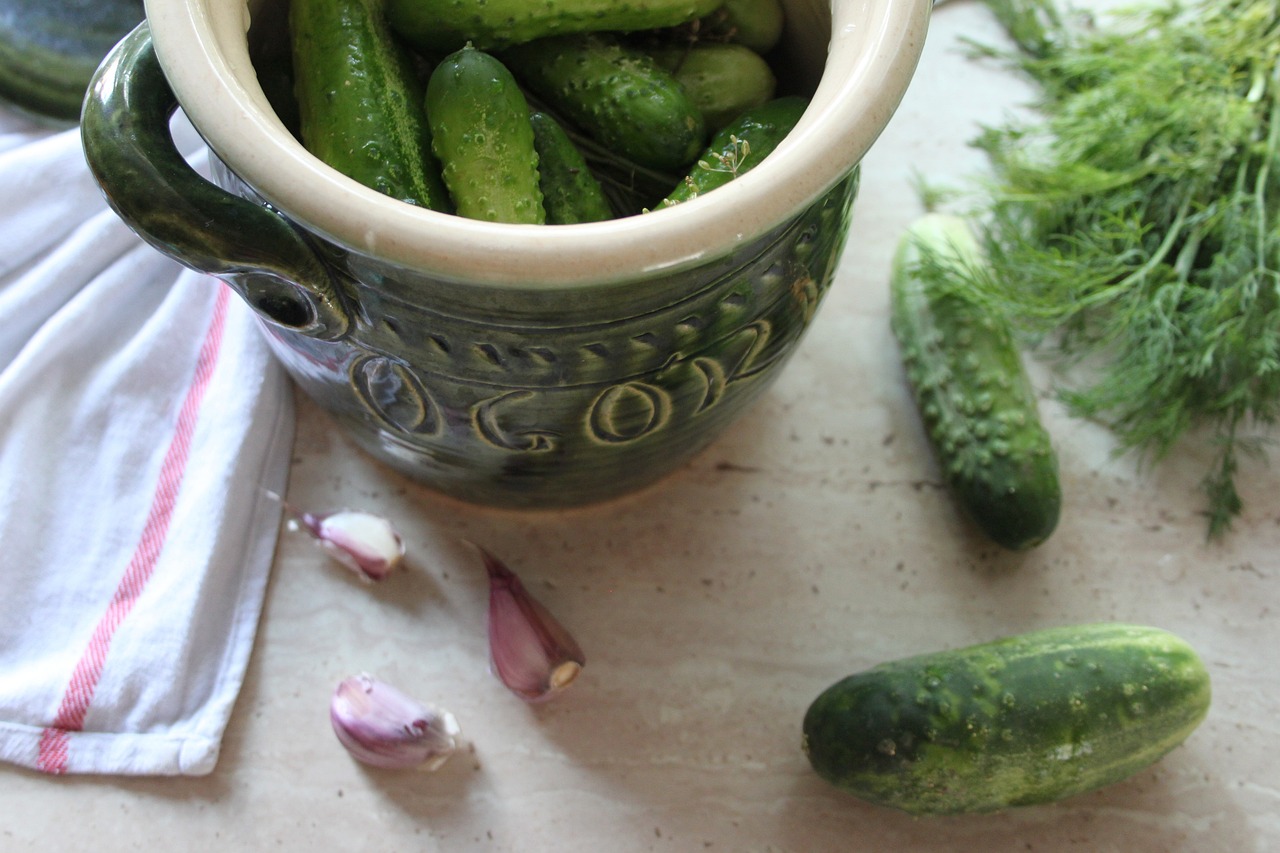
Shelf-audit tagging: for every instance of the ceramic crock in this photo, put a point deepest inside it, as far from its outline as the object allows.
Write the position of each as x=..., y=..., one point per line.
x=511, y=365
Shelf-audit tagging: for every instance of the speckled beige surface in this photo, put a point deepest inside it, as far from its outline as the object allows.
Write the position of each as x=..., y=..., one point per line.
x=813, y=540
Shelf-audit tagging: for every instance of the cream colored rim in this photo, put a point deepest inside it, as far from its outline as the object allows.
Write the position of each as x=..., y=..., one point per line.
x=874, y=50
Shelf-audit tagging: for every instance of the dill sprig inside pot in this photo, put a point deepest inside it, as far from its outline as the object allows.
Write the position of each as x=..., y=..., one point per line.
x=1134, y=221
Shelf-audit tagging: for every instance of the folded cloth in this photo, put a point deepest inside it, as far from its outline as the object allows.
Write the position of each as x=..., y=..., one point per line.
x=144, y=433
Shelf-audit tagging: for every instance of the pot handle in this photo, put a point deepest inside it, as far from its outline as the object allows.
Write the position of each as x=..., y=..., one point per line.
x=131, y=153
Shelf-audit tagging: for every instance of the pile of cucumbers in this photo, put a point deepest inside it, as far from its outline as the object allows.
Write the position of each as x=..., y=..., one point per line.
x=555, y=113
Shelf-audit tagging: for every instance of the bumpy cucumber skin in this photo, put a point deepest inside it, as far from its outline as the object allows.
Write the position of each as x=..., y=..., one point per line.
x=443, y=25
x=481, y=133
x=360, y=102
x=760, y=128
x=971, y=389
x=756, y=24
x=1020, y=721
x=570, y=192
x=616, y=94
x=724, y=80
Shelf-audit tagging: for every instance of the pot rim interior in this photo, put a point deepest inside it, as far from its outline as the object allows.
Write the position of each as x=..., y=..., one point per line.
x=875, y=46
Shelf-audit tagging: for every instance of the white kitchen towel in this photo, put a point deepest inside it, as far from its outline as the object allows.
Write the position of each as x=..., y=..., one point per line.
x=144, y=428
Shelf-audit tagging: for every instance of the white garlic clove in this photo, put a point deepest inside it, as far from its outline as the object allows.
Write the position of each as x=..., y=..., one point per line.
x=383, y=727
x=367, y=544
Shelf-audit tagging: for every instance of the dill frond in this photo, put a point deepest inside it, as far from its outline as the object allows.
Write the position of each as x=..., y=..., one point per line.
x=1134, y=222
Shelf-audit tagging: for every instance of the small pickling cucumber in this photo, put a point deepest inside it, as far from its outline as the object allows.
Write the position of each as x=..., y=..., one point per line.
x=616, y=94
x=481, y=133
x=970, y=386
x=739, y=147
x=570, y=192
x=442, y=25
x=1019, y=721
x=360, y=101
x=757, y=24
x=724, y=80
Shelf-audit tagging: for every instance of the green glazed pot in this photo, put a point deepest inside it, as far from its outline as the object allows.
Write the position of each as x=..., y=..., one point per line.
x=523, y=366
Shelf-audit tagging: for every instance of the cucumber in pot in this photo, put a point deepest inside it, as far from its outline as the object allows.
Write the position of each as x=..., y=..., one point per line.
x=442, y=25
x=724, y=80
x=1019, y=721
x=616, y=94
x=359, y=100
x=570, y=192
x=970, y=386
x=739, y=147
x=481, y=132
x=756, y=24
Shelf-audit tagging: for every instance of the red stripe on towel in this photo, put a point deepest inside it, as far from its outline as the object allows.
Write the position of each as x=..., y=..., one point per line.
x=84, y=679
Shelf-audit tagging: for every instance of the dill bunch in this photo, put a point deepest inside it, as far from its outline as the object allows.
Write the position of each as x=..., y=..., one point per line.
x=1133, y=220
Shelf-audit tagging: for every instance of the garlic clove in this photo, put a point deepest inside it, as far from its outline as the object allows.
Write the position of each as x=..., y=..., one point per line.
x=530, y=651
x=381, y=726
x=367, y=544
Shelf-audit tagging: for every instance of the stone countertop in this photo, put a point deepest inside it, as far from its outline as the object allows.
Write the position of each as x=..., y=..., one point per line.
x=813, y=540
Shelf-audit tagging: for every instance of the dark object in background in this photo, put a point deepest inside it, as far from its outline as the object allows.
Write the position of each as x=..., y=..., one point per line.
x=50, y=48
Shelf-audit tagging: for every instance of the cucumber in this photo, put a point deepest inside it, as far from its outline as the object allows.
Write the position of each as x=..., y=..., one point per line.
x=49, y=51
x=739, y=147
x=570, y=192
x=443, y=25
x=614, y=93
x=481, y=132
x=971, y=388
x=756, y=24
x=1019, y=721
x=724, y=80
x=359, y=100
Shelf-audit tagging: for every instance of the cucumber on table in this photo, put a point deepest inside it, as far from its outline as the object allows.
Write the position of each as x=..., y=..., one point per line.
x=359, y=100
x=444, y=25
x=971, y=389
x=49, y=50
x=739, y=147
x=616, y=94
x=1019, y=721
x=481, y=133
